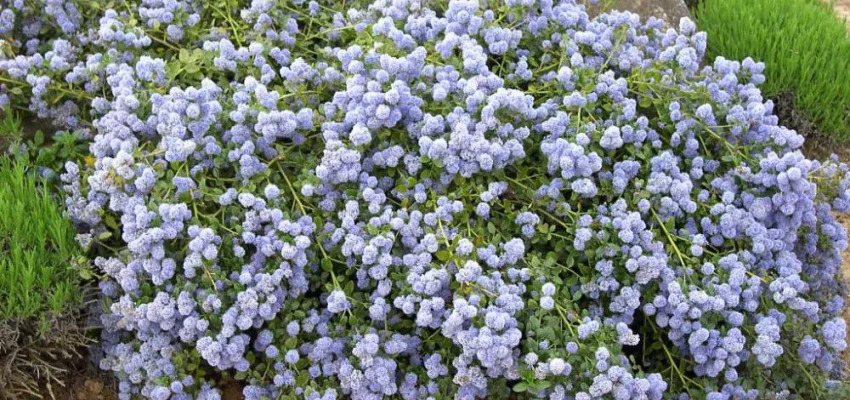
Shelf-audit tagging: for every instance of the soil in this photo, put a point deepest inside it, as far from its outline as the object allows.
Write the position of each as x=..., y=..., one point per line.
x=842, y=8
x=90, y=384
x=232, y=391
x=91, y=389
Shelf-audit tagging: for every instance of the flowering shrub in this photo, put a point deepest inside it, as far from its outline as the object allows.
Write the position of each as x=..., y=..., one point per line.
x=438, y=199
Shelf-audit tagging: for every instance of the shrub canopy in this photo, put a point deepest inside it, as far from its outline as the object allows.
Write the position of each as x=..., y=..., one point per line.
x=438, y=199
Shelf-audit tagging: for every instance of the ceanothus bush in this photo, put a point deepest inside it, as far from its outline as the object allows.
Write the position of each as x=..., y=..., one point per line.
x=433, y=200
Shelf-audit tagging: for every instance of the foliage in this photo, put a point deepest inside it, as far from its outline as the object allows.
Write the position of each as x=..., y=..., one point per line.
x=37, y=248
x=437, y=199
x=47, y=152
x=803, y=44
x=41, y=325
x=10, y=128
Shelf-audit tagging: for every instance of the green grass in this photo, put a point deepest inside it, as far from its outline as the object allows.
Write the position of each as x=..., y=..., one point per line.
x=43, y=312
x=37, y=248
x=805, y=48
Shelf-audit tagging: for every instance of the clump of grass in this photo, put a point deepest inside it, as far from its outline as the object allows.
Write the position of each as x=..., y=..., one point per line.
x=36, y=248
x=805, y=48
x=41, y=298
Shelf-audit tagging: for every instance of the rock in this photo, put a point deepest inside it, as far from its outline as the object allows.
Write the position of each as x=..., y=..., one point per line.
x=671, y=11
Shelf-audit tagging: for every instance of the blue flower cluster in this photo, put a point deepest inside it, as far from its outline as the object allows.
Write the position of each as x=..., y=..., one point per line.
x=433, y=200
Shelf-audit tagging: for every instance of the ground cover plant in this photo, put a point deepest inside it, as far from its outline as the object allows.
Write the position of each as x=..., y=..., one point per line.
x=41, y=321
x=804, y=46
x=439, y=199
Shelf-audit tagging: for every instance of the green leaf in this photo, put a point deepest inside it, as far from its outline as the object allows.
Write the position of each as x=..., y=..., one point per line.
x=302, y=379
x=443, y=255
x=670, y=225
x=38, y=139
x=526, y=374
x=520, y=387
x=372, y=229
x=110, y=222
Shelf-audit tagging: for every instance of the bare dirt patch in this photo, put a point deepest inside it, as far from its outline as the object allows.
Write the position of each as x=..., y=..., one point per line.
x=842, y=8
x=92, y=388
